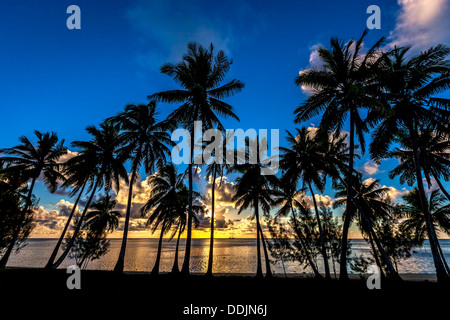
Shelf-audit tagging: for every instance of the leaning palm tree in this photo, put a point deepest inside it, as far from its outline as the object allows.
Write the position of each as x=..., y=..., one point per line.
x=100, y=160
x=408, y=103
x=345, y=83
x=254, y=190
x=30, y=161
x=373, y=206
x=77, y=176
x=434, y=157
x=304, y=160
x=414, y=219
x=199, y=74
x=288, y=200
x=145, y=140
x=101, y=219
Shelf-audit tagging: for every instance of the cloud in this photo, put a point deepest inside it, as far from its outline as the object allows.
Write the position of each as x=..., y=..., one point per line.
x=395, y=194
x=421, y=23
x=224, y=192
x=141, y=194
x=67, y=156
x=65, y=207
x=165, y=27
x=324, y=200
x=370, y=168
x=314, y=62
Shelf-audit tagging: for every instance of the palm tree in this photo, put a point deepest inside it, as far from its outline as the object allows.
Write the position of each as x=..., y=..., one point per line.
x=304, y=160
x=409, y=85
x=414, y=222
x=165, y=204
x=433, y=153
x=344, y=84
x=77, y=176
x=216, y=169
x=101, y=219
x=99, y=159
x=373, y=205
x=145, y=140
x=255, y=190
x=30, y=161
x=199, y=74
x=288, y=200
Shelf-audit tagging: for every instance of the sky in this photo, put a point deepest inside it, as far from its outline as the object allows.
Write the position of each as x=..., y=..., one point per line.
x=56, y=79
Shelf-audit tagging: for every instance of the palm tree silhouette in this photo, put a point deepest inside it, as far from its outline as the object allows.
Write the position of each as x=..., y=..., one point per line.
x=304, y=160
x=409, y=85
x=77, y=174
x=345, y=83
x=415, y=222
x=288, y=200
x=165, y=204
x=101, y=219
x=433, y=153
x=253, y=190
x=216, y=170
x=30, y=161
x=100, y=159
x=373, y=205
x=199, y=74
x=145, y=140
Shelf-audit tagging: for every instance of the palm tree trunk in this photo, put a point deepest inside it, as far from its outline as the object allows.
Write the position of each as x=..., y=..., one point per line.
x=343, y=274
x=77, y=229
x=443, y=258
x=259, y=273
x=266, y=255
x=375, y=254
x=175, y=261
x=51, y=260
x=121, y=260
x=441, y=186
x=441, y=273
x=322, y=237
x=187, y=255
x=17, y=229
x=305, y=248
x=155, y=270
x=211, y=242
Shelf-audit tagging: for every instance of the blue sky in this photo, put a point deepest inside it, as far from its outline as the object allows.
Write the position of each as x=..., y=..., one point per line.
x=63, y=80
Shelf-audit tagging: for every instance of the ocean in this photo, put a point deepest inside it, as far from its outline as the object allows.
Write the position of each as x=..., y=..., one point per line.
x=230, y=256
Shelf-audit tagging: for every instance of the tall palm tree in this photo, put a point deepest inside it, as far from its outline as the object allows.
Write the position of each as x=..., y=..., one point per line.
x=434, y=157
x=99, y=159
x=373, y=206
x=165, y=203
x=288, y=200
x=255, y=190
x=32, y=160
x=409, y=86
x=344, y=84
x=216, y=170
x=101, y=219
x=145, y=140
x=414, y=222
x=304, y=160
x=199, y=75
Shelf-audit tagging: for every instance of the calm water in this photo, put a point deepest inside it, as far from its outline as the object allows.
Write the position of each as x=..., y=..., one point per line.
x=231, y=256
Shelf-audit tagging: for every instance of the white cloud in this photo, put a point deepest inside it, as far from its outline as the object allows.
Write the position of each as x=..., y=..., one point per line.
x=421, y=23
x=370, y=168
